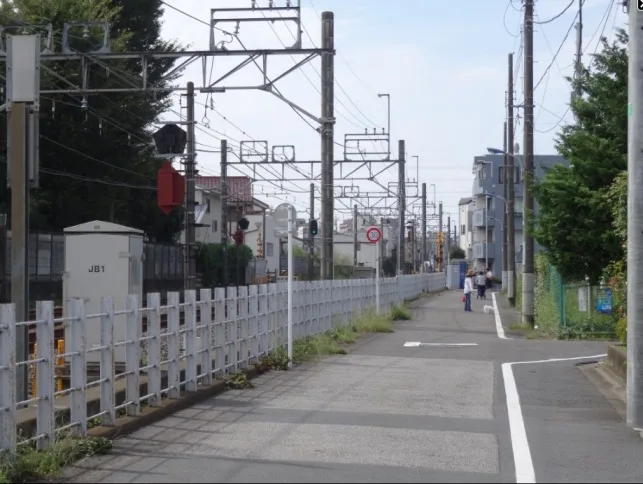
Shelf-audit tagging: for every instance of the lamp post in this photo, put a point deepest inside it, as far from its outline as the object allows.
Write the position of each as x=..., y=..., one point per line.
x=388, y=119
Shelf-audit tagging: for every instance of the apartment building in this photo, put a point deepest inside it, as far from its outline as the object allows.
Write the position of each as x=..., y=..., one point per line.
x=482, y=218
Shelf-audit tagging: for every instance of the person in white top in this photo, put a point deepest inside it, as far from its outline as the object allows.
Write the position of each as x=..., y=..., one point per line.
x=481, y=280
x=489, y=278
x=468, y=288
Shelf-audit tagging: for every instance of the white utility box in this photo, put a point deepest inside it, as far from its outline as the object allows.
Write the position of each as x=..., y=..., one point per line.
x=102, y=259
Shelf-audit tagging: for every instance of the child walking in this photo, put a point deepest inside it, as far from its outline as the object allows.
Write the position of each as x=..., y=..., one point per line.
x=482, y=288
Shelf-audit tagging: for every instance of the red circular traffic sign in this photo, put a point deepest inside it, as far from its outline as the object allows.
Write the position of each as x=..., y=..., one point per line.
x=373, y=234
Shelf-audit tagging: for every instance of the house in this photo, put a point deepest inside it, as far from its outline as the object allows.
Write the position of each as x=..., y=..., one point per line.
x=488, y=207
x=207, y=212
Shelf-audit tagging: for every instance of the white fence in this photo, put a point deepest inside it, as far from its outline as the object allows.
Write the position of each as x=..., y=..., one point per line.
x=242, y=324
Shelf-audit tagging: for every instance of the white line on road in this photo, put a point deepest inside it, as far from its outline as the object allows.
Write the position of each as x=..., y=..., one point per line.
x=519, y=443
x=417, y=344
x=496, y=314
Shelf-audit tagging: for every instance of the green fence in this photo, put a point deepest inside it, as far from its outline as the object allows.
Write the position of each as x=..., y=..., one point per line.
x=570, y=310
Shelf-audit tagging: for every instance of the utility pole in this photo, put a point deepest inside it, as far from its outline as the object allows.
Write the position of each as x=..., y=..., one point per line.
x=440, y=250
x=579, y=49
x=354, y=235
x=413, y=244
x=224, y=209
x=190, y=195
x=401, y=194
x=505, y=235
x=447, y=248
x=23, y=94
x=311, y=237
x=327, y=138
x=528, y=170
x=635, y=221
x=423, y=224
x=511, y=173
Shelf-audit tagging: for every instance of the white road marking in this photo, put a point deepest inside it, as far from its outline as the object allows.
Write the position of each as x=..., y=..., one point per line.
x=519, y=443
x=496, y=314
x=417, y=344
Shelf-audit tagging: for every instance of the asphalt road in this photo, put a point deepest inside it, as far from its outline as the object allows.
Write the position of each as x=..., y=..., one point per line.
x=390, y=413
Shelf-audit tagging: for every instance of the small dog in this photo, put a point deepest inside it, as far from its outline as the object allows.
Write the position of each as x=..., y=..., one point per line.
x=488, y=309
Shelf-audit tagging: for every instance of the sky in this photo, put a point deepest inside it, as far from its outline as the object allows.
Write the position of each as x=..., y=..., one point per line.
x=445, y=70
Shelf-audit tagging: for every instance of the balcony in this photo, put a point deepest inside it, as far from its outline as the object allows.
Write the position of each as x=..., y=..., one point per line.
x=479, y=251
x=479, y=221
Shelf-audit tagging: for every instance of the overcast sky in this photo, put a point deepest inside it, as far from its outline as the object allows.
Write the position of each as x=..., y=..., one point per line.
x=443, y=63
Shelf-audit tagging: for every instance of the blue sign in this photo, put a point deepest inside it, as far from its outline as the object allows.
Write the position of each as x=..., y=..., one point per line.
x=604, y=301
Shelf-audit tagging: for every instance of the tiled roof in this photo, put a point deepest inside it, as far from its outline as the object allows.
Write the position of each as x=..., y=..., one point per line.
x=239, y=187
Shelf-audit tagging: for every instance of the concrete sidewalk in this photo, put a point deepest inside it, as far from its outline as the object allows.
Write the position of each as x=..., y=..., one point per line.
x=390, y=413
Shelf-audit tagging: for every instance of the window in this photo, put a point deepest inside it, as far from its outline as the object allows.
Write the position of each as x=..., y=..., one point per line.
x=501, y=174
x=215, y=224
x=463, y=229
x=518, y=174
x=207, y=205
x=270, y=249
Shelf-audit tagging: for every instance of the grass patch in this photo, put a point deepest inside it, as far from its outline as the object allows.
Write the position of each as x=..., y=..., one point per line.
x=332, y=342
x=238, y=381
x=30, y=465
x=400, y=313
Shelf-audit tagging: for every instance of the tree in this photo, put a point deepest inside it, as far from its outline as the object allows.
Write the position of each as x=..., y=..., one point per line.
x=97, y=161
x=575, y=221
x=456, y=252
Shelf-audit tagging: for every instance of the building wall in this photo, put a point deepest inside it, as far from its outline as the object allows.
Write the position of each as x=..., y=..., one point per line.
x=266, y=228
x=212, y=217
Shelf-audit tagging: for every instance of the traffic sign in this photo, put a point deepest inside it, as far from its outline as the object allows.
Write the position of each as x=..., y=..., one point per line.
x=281, y=219
x=373, y=234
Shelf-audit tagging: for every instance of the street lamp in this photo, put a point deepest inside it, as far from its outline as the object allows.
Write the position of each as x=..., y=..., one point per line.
x=388, y=118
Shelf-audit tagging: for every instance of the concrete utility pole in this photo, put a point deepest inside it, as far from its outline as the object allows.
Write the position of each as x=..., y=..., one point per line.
x=224, y=208
x=23, y=98
x=447, y=247
x=190, y=193
x=354, y=235
x=511, y=172
x=505, y=235
x=311, y=237
x=579, y=48
x=635, y=221
x=528, y=170
x=423, y=225
x=440, y=251
x=401, y=194
x=327, y=138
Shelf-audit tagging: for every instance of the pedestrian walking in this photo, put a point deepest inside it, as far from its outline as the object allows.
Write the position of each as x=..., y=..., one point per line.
x=468, y=288
x=482, y=286
x=489, y=281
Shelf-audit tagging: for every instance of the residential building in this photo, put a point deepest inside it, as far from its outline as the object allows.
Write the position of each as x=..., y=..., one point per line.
x=465, y=227
x=488, y=207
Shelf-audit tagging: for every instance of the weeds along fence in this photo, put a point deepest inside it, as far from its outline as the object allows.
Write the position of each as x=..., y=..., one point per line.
x=571, y=310
x=204, y=338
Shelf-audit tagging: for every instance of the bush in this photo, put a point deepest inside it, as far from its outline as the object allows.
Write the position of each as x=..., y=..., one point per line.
x=400, y=313
x=621, y=330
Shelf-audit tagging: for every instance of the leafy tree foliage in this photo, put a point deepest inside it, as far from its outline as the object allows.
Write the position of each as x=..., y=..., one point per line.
x=97, y=161
x=456, y=252
x=575, y=221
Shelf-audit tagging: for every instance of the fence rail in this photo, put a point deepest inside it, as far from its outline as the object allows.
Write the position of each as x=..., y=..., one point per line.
x=223, y=330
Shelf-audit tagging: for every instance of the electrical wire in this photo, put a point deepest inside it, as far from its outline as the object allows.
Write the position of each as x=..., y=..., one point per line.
x=555, y=17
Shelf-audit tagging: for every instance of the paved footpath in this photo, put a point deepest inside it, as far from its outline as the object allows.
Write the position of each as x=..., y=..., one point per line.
x=394, y=413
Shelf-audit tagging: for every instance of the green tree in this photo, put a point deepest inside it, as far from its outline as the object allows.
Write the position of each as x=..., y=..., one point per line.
x=456, y=252
x=574, y=220
x=97, y=161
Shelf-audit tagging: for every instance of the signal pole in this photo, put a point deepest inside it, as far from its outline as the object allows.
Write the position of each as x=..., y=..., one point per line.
x=311, y=236
x=354, y=235
x=528, y=216
x=635, y=222
x=440, y=250
x=505, y=234
x=190, y=195
x=224, y=209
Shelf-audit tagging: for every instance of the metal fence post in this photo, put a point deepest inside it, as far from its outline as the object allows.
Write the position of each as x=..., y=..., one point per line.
x=173, y=372
x=154, y=348
x=132, y=356
x=45, y=372
x=219, y=331
x=205, y=321
x=78, y=374
x=8, y=377
x=107, y=371
x=190, y=341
